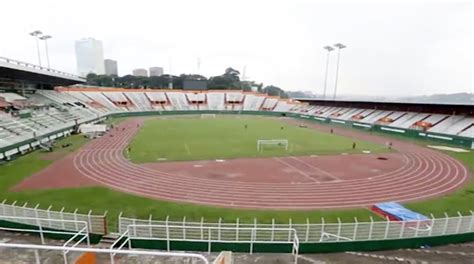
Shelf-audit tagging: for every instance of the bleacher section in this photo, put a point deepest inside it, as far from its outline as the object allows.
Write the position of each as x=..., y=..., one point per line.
x=158, y=100
x=375, y=116
x=453, y=125
x=282, y=106
x=469, y=132
x=269, y=104
x=215, y=101
x=253, y=102
x=63, y=109
x=197, y=100
x=234, y=100
x=179, y=101
x=139, y=101
x=100, y=99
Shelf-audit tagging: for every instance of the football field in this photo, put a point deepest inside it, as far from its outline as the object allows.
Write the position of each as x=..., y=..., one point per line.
x=227, y=137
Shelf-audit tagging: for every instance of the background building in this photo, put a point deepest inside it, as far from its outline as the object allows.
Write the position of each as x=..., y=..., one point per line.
x=194, y=85
x=89, y=56
x=110, y=67
x=140, y=72
x=156, y=71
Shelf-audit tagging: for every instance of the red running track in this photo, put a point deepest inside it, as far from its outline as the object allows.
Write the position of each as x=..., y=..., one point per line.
x=413, y=173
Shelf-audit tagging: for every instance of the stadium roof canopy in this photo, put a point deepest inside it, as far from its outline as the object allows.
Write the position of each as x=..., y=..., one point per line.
x=396, y=106
x=23, y=74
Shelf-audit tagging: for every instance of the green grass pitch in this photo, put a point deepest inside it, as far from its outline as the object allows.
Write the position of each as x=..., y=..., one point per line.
x=227, y=137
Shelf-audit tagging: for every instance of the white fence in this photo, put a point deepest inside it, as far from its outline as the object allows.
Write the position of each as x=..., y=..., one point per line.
x=41, y=228
x=69, y=221
x=307, y=233
x=310, y=232
x=209, y=235
x=61, y=249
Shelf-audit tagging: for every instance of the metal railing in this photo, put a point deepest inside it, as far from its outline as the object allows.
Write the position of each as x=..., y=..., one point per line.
x=36, y=249
x=40, y=226
x=78, y=229
x=210, y=235
x=323, y=232
x=37, y=67
x=68, y=221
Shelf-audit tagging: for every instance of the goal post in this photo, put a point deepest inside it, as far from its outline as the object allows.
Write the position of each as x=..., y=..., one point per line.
x=208, y=115
x=261, y=143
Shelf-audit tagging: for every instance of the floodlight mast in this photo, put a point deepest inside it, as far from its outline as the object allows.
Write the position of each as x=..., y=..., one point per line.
x=339, y=46
x=329, y=49
x=45, y=38
x=36, y=35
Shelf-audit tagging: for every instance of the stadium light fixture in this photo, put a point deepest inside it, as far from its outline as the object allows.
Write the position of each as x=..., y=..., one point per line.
x=339, y=46
x=36, y=35
x=45, y=38
x=329, y=49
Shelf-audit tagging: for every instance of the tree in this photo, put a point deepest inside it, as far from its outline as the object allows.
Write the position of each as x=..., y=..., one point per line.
x=91, y=79
x=275, y=91
x=229, y=80
x=99, y=80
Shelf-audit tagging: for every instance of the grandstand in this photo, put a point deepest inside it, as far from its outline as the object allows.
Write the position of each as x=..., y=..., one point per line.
x=67, y=107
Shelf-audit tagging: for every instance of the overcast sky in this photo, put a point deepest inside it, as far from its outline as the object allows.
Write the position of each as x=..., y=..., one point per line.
x=393, y=49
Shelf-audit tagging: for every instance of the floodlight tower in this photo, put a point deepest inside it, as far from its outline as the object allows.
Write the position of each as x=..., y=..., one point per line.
x=198, y=65
x=170, y=84
x=45, y=38
x=329, y=49
x=36, y=35
x=339, y=46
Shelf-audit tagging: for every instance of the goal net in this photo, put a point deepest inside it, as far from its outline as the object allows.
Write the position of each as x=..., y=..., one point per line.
x=208, y=115
x=261, y=143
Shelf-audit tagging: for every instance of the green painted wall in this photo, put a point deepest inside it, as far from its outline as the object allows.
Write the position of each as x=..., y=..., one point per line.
x=306, y=248
x=94, y=238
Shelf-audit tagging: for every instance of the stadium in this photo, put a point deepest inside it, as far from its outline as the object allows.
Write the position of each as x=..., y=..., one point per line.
x=111, y=174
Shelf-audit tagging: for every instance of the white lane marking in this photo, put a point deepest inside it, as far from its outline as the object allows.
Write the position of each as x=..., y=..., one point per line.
x=317, y=169
x=296, y=169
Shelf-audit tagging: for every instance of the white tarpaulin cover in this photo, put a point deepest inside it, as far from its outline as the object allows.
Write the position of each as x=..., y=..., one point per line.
x=92, y=128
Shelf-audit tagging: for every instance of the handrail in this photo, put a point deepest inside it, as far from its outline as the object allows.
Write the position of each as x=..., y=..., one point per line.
x=40, y=229
x=103, y=250
x=34, y=66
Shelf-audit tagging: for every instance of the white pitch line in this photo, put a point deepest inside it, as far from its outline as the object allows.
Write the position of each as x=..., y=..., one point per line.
x=187, y=148
x=296, y=169
x=316, y=168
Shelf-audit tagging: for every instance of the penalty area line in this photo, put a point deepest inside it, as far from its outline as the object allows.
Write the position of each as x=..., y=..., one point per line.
x=187, y=148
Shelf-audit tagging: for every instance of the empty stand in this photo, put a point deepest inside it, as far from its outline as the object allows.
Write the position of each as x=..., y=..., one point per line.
x=215, y=101
x=179, y=101
x=253, y=102
x=139, y=101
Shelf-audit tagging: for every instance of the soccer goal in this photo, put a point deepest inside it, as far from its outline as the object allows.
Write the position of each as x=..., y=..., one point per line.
x=208, y=115
x=261, y=143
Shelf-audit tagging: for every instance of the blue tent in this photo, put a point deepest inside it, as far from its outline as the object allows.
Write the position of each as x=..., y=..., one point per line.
x=397, y=211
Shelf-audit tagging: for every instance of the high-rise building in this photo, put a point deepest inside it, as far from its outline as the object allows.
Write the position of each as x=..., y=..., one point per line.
x=156, y=71
x=89, y=56
x=110, y=67
x=140, y=72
